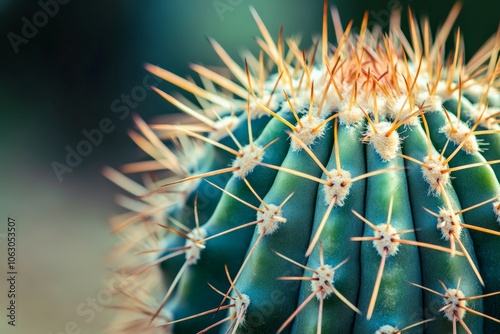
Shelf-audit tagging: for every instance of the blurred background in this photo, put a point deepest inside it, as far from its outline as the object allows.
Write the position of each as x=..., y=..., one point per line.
x=73, y=69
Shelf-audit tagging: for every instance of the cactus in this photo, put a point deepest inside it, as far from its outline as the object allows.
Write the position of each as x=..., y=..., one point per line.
x=348, y=188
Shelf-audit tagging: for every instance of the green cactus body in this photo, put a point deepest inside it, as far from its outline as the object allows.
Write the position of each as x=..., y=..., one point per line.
x=350, y=191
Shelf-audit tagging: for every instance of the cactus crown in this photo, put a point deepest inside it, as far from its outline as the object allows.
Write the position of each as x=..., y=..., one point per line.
x=347, y=188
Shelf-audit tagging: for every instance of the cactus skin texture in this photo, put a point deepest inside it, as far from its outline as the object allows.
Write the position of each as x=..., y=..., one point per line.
x=341, y=189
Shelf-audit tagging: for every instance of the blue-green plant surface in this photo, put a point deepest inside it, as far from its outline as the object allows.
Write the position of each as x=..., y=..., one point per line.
x=342, y=188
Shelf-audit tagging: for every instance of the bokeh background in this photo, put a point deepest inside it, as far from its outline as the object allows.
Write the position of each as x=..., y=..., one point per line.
x=64, y=80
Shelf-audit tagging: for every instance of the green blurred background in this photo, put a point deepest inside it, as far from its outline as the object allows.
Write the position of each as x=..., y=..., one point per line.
x=65, y=79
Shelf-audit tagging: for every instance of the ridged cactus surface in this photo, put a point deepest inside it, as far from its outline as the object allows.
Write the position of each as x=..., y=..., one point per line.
x=344, y=188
